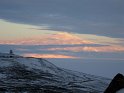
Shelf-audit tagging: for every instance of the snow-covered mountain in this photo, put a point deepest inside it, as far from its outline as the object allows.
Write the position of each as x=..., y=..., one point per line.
x=37, y=75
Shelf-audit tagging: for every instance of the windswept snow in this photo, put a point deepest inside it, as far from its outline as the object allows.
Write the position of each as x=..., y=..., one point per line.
x=42, y=73
x=120, y=91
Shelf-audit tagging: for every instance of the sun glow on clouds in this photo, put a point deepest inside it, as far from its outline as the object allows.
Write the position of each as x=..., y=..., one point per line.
x=60, y=38
x=21, y=34
x=49, y=56
x=14, y=31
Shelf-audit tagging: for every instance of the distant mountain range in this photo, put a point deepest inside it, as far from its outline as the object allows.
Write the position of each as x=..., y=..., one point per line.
x=36, y=75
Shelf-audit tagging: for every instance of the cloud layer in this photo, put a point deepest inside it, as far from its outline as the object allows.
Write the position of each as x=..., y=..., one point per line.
x=68, y=28
x=90, y=49
x=103, y=18
x=59, y=38
x=49, y=56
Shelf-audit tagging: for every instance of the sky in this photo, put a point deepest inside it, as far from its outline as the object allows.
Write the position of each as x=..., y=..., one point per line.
x=81, y=35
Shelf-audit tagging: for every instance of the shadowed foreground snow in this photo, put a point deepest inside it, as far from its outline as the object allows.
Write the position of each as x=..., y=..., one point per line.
x=36, y=75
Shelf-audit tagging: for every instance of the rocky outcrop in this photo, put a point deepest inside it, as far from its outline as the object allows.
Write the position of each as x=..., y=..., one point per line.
x=116, y=84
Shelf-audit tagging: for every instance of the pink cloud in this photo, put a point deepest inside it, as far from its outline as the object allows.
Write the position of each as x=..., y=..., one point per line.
x=48, y=56
x=50, y=39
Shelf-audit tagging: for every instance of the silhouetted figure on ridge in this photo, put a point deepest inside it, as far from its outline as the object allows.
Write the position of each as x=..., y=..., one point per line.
x=116, y=84
x=10, y=52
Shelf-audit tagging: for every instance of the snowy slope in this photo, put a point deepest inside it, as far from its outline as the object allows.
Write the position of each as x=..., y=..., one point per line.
x=29, y=74
x=120, y=91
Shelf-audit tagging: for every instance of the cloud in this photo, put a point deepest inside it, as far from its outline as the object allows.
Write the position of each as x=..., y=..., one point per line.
x=60, y=38
x=79, y=54
x=13, y=33
x=49, y=56
x=103, y=18
x=90, y=49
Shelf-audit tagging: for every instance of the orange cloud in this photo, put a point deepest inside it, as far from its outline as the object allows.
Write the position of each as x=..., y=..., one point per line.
x=60, y=38
x=91, y=49
x=48, y=56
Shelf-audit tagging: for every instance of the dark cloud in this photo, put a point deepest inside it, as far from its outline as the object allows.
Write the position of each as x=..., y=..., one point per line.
x=101, y=17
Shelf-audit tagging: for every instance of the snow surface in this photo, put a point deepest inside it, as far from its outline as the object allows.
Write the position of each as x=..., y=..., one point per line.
x=5, y=63
x=59, y=76
x=120, y=91
x=2, y=75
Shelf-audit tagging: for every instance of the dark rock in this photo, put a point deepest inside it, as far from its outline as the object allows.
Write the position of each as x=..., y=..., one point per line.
x=116, y=84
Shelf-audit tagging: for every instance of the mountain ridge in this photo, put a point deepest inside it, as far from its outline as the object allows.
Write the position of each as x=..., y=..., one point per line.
x=27, y=74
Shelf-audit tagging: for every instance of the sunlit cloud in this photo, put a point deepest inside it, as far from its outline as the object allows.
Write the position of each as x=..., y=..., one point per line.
x=48, y=56
x=60, y=56
x=59, y=38
x=14, y=31
x=23, y=34
x=90, y=49
x=102, y=40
